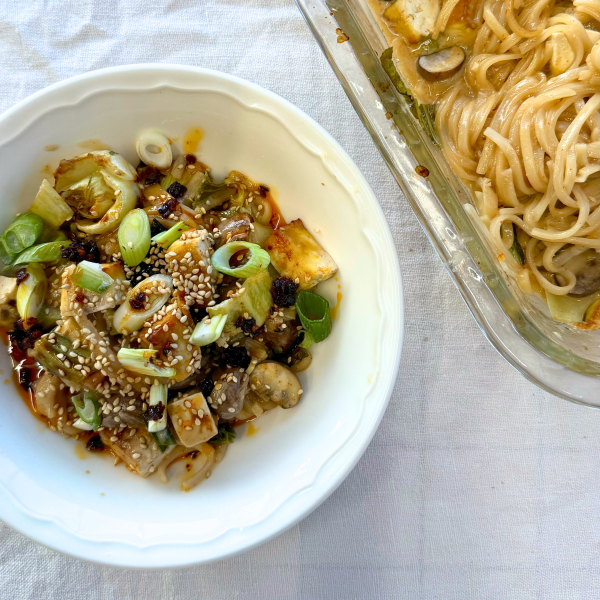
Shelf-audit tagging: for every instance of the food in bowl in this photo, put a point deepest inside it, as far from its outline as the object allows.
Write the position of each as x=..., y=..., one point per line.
x=151, y=310
x=510, y=93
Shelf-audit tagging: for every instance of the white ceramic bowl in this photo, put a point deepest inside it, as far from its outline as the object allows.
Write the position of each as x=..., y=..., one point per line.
x=80, y=504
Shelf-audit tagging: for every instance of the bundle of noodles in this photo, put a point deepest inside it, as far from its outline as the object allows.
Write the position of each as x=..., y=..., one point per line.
x=523, y=133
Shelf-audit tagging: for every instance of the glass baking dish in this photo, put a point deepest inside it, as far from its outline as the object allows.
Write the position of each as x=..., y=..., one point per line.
x=560, y=359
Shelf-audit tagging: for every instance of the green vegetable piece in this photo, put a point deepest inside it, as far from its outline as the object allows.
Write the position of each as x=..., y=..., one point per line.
x=206, y=333
x=387, y=62
x=138, y=361
x=134, y=237
x=6, y=255
x=256, y=300
x=23, y=233
x=90, y=276
x=314, y=313
x=163, y=438
x=48, y=316
x=567, y=309
x=427, y=46
x=225, y=435
x=66, y=342
x=158, y=395
x=517, y=252
x=166, y=238
x=31, y=292
x=307, y=341
x=46, y=355
x=259, y=259
x=50, y=206
x=425, y=113
x=88, y=408
x=49, y=252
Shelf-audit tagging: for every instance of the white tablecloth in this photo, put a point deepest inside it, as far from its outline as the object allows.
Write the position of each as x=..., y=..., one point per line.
x=477, y=484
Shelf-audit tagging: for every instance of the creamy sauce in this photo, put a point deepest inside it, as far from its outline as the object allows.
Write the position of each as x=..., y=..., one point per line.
x=51, y=147
x=252, y=430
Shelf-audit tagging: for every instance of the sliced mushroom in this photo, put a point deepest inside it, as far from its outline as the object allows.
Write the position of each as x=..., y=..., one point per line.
x=227, y=397
x=441, y=64
x=274, y=382
x=233, y=229
x=280, y=330
x=588, y=274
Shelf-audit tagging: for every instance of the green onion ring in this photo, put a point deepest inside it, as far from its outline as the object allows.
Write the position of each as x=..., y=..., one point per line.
x=313, y=311
x=258, y=261
x=134, y=237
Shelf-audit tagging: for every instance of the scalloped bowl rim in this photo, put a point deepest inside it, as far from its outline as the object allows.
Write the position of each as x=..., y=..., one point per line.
x=46, y=528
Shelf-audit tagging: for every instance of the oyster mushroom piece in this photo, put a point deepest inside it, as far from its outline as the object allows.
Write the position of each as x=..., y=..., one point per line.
x=587, y=271
x=443, y=62
x=227, y=397
x=274, y=382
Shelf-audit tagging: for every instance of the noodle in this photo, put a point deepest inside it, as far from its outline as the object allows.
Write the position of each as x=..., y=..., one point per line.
x=522, y=130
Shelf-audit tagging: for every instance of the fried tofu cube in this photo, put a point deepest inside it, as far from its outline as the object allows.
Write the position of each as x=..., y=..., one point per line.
x=168, y=335
x=74, y=297
x=189, y=257
x=415, y=19
x=139, y=451
x=295, y=254
x=192, y=420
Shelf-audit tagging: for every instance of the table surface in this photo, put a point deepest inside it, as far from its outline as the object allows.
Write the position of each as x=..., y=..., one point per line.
x=477, y=483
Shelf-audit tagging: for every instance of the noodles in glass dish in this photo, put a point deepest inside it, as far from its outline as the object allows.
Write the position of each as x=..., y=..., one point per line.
x=151, y=310
x=510, y=91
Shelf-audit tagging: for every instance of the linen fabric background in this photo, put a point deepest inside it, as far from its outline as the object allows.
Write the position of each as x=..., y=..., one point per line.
x=477, y=484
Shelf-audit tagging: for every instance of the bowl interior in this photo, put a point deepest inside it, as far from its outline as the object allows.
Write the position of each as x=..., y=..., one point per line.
x=94, y=510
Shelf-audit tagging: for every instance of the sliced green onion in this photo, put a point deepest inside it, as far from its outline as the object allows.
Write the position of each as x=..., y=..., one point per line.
x=90, y=276
x=47, y=356
x=158, y=395
x=516, y=250
x=308, y=341
x=48, y=316
x=314, y=314
x=138, y=361
x=6, y=255
x=255, y=299
x=163, y=438
x=61, y=236
x=134, y=237
x=49, y=252
x=19, y=236
x=31, y=292
x=166, y=238
x=209, y=330
x=88, y=409
x=127, y=319
x=49, y=205
x=259, y=259
x=67, y=342
x=24, y=232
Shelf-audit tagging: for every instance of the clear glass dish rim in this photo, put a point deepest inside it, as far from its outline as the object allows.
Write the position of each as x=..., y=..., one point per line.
x=488, y=297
